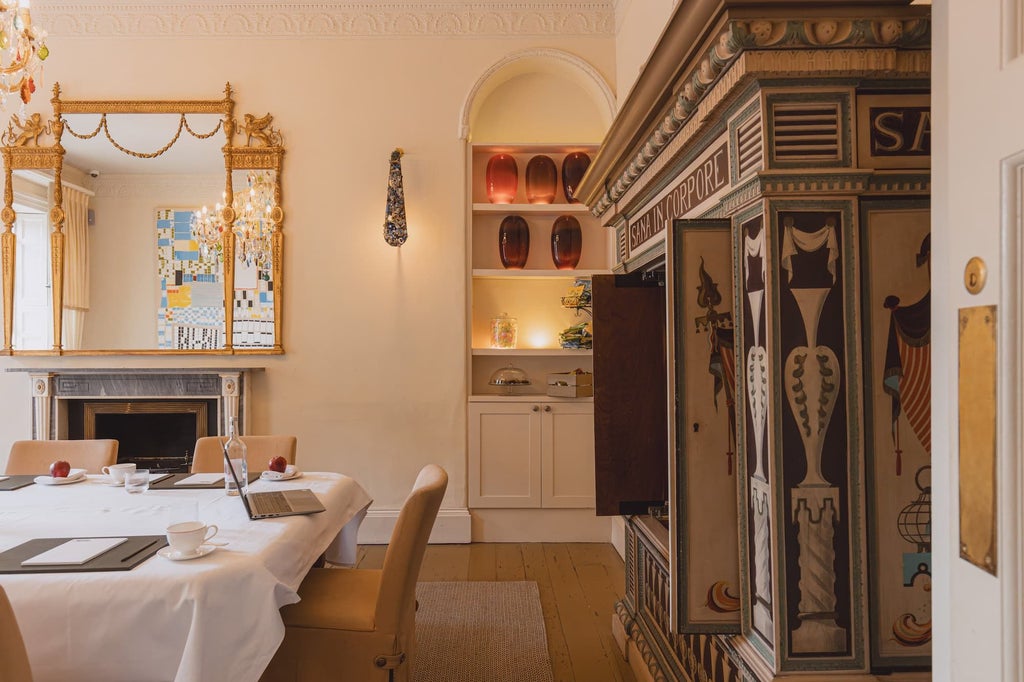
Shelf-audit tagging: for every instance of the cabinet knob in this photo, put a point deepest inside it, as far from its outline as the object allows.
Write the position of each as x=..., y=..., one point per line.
x=536, y=408
x=547, y=408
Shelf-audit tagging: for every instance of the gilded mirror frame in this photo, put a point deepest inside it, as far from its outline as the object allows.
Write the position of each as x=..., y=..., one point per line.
x=261, y=148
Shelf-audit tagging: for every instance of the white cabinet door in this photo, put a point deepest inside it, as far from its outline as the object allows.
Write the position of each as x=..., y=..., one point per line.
x=567, y=454
x=504, y=454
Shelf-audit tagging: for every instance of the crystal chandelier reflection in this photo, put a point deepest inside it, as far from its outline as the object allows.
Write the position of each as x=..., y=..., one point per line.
x=252, y=225
x=22, y=51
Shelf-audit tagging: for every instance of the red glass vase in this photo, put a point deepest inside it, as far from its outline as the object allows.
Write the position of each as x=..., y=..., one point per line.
x=514, y=242
x=573, y=168
x=502, y=179
x=541, y=180
x=566, y=242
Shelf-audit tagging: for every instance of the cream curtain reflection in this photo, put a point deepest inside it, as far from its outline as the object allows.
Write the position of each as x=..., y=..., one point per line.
x=76, y=266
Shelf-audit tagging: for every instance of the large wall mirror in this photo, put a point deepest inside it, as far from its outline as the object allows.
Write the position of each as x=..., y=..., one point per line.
x=137, y=226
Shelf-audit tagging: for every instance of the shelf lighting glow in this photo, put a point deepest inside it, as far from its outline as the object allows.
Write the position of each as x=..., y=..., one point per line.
x=538, y=338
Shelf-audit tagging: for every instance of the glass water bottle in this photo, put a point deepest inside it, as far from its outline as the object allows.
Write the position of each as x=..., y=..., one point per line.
x=235, y=449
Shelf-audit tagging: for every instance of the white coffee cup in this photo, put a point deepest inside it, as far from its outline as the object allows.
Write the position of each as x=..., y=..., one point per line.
x=186, y=537
x=116, y=472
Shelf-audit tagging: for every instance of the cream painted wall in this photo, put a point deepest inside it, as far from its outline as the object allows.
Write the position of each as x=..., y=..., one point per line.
x=638, y=25
x=373, y=382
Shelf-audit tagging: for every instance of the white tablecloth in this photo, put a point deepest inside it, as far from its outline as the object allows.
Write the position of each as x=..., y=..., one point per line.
x=214, y=618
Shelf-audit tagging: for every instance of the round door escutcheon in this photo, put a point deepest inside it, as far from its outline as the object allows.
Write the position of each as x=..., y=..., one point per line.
x=975, y=274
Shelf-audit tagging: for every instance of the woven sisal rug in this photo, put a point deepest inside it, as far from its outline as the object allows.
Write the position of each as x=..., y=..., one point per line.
x=480, y=632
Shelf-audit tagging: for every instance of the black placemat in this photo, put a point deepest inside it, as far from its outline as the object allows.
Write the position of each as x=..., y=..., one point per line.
x=124, y=557
x=168, y=483
x=18, y=481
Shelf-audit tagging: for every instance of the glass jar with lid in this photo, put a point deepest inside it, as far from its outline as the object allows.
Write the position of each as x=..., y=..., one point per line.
x=504, y=331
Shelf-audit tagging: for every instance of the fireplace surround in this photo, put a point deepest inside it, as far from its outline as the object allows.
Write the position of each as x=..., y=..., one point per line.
x=156, y=414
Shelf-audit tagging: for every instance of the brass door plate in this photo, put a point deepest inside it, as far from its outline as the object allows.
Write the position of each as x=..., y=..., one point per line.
x=977, y=398
x=975, y=274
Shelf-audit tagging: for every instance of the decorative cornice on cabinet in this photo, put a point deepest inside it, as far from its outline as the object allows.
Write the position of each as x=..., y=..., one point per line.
x=765, y=47
x=220, y=18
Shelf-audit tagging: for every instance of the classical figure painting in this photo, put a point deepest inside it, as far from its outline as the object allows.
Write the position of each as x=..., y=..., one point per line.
x=897, y=357
x=814, y=432
x=706, y=424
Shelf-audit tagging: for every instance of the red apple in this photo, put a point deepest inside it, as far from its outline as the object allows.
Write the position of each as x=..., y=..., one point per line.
x=60, y=469
x=278, y=464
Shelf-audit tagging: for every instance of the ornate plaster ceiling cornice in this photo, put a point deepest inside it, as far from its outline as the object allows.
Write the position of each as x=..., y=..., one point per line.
x=332, y=19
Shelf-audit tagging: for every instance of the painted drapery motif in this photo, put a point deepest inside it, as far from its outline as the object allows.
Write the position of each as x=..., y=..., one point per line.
x=759, y=540
x=813, y=430
x=896, y=267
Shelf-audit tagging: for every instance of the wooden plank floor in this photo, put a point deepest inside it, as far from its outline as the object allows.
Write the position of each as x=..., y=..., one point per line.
x=579, y=584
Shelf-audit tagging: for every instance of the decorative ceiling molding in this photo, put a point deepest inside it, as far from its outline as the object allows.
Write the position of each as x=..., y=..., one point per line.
x=340, y=18
x=171, y=188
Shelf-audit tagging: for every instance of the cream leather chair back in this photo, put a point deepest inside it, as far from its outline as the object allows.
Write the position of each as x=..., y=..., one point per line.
x=360, y=624
x=14, y=665
x=209, y=457
x=36, y=456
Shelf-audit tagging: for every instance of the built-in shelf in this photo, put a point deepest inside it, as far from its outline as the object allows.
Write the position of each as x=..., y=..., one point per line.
x=530, y=208
x=538, y=274
x=534, y=147
x=525, y=398
x=532, y=351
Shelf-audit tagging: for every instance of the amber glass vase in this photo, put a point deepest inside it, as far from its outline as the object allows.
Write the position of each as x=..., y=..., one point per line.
x=514, y=242
x=566, y=242
x=541, y=180
x=502, y=179
x=573, y=168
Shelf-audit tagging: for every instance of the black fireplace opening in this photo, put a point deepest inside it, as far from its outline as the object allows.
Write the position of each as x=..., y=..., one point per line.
x=158, y=434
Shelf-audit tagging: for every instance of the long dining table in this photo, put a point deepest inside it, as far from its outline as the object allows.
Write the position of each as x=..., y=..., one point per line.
x=212, y=618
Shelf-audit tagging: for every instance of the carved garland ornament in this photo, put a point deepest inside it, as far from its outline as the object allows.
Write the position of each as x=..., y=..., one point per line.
x=759, y=34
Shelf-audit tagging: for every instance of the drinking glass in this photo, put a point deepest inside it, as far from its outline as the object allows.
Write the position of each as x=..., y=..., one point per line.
x=136, y=481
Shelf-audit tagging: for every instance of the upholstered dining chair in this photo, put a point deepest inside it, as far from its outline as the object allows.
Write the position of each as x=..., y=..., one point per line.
x=358, y=623
x=14, y=665
x=36, y=456
x=209, y=454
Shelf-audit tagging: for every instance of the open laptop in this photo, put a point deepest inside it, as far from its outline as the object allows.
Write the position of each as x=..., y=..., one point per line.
x=269, y=505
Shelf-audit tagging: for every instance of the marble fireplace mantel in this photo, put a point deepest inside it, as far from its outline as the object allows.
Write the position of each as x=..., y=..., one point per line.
x=52, y=387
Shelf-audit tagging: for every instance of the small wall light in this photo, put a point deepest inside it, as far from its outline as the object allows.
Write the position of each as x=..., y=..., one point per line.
x=395, y=229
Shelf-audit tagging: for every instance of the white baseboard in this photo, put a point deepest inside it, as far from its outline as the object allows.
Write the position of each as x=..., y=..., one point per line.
x=460, y=526
x=540, y=525
x=453, y=526
x=619, y=535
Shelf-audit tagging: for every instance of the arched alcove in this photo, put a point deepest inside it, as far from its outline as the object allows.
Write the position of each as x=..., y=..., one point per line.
x=540, y=95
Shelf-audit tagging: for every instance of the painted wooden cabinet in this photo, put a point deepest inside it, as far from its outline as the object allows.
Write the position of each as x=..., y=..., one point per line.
x=532, y=454
x=787, y=205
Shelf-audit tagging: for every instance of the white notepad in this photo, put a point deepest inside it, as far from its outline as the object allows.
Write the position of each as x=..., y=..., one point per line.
x=153, y=478
x=200, y=479
x=74, y=552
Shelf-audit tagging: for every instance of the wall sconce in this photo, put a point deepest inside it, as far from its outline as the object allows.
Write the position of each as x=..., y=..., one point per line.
x=395, y=229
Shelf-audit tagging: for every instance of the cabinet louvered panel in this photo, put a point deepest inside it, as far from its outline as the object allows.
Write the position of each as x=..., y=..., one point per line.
x=750, y=151
x=806, y=132
x=622, y=243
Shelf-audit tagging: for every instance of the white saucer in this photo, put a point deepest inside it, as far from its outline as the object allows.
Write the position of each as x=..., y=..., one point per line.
x=288, y=474
x=62, y=480
x=169, y=553
x=115, y=484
